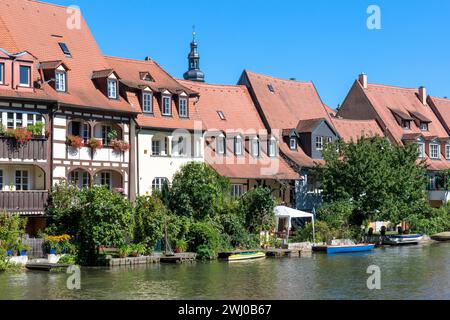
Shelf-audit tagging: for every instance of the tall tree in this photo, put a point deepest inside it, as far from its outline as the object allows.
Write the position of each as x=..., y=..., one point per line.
x=381, y=180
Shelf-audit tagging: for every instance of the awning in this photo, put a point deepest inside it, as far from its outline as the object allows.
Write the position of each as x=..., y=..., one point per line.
x=289, y=213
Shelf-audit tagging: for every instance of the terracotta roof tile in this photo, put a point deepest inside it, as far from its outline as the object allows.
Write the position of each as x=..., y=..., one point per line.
x=241, y=117
x=39, y=28
x=353, y=130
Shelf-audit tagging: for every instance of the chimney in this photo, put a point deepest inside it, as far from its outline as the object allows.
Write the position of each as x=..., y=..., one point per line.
x=363, y=80
x=423, y=95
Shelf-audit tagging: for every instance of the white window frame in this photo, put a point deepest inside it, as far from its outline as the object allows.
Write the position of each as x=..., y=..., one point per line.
x=220, y=144
x=238, y=146
x=112, y=88
x=183, y=106
x=158, y=183
x=20, y=186
x=2, y=73
x=23, y=84
x=104, y=178
x=60, y=81
x=147, y=102
x=293, y=143
x=272, y=148
x=447, y=151
x=435, y=153
x=237, y=190
x=319, y=143
x=432, y=183
x=421, y=147
x=80, y=179
x=27, y=119
x=166, y=98
x=105, y=130
x=255, y=147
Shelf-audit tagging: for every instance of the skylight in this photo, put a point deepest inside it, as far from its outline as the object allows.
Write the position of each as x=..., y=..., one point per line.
x=65, y=49
x=271, y=89
x=221, y=115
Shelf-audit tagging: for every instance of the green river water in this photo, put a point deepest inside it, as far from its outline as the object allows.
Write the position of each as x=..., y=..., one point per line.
x=418, y=272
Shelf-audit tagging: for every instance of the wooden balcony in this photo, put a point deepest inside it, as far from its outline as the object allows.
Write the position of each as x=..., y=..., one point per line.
x=36, y=149
x=24, y=202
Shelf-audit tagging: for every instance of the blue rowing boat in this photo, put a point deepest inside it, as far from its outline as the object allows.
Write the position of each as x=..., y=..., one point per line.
x=345, y=249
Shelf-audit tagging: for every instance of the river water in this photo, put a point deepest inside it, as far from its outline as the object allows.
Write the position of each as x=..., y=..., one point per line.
x=418, y=272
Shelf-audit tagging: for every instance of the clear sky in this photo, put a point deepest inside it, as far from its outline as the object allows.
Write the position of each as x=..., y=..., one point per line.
x=327, y=42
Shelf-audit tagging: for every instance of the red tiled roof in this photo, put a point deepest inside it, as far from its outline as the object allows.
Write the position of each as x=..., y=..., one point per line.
x=235, y=103
x=386, y=98
x=353, y=130
x=441, y=107
x=38, y=28
x=242, y=117
x=131, y=71
x=290, y=102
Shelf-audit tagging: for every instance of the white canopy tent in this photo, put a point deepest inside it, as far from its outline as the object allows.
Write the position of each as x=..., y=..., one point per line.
x=289, y=214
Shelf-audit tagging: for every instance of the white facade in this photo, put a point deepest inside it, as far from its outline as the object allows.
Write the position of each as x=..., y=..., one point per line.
x=160, y=156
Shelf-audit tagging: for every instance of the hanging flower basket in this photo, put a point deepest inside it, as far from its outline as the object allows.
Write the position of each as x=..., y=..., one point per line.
x=75, y=142
x=120, y=145
x=94, y=144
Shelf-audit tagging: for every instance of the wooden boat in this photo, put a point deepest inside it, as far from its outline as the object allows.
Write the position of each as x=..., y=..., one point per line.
x=406, y=239
x=344, y=248
x=242, y=256
x=444, y=236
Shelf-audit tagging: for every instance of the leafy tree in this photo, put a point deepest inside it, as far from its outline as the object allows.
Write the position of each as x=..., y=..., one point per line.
x=150, y=217
x=106, y=220
x=64, y=210
x=258, y=207
x=197, y=191
x=382, y=181
x=12, y=227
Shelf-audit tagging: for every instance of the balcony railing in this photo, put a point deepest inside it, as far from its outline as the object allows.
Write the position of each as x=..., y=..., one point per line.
x=35, y=149
x=23, y=202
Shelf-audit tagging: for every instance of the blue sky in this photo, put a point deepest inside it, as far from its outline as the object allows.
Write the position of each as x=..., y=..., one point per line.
x=326, y=42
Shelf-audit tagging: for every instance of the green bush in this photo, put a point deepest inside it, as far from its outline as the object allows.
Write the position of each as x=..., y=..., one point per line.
x=68, y=259
x=323, y=233
x=257, y=207
x=12, y=227
x=150, y=218
x=197, y=191
x=205, y=237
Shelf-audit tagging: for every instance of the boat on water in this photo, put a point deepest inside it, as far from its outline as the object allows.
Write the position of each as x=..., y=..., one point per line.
x=344, y=248
x=444, y=236
x=406, y=239
x=244, y=256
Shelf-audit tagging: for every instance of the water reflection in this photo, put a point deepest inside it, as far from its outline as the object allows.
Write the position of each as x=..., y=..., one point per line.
x=421, y=272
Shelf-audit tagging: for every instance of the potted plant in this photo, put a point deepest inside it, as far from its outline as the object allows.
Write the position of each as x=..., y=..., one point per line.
x=137, y=250
x=95, y=144
x=124, y=251
x=10, y=253
x=120, y=145
x=24, y=250
x=75, y=142
x=22, y=135
x=37, y=129
x=181, y=246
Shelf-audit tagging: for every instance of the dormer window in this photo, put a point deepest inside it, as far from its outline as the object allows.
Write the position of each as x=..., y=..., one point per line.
x=183, y=106
x=435, y=151
x=166, y=106
x=424, y=126
x=220, y=144
x=272, y=147
x=60, y=81
x=25, y=76
x=2, y=73
x=238, y=146
x=112, y=89
x=147, y=102
x=293, y=143
x=406, y=124
x=255, y=147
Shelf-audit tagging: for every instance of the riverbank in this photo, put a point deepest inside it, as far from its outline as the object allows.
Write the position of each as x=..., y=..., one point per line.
x=415, y=272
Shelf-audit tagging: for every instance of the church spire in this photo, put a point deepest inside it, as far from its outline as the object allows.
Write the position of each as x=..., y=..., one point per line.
x=194, y=73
